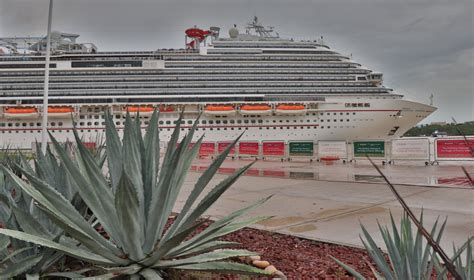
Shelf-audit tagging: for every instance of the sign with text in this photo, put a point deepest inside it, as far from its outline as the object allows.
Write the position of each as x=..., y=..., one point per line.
x=411, y=149
x=301, y=148
x=207, y=148
x=369, y=148
x=454, y=148
x=273, y=148
x=248, y=148
x=332, y=149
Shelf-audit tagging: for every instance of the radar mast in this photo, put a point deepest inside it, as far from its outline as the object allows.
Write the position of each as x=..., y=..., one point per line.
x=262, y=31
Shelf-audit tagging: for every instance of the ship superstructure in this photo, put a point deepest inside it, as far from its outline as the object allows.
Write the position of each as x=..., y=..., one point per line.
x=253, y=81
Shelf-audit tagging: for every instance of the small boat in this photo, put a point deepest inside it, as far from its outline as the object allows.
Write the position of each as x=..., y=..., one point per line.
x=256, y=109
x=290, y=109
x=21, y=113
x=166, y=109
x=143, y=110
x=60, y=111
x=219, y=110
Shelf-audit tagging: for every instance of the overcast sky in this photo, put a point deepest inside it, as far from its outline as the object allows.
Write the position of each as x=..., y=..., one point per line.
x=421, y=46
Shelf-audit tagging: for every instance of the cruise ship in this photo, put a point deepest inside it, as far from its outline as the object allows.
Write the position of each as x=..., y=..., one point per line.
x=252, y=81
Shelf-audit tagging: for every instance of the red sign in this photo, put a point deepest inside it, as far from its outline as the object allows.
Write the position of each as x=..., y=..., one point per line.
x=221, y=146
x=274, y=148
x=273, y=173
x=252, y=172
x=248, y=148
x=454, y=148
x=226, y=170
x=207, y=148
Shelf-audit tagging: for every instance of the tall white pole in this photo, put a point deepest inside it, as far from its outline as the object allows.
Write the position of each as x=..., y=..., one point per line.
x=44, y=130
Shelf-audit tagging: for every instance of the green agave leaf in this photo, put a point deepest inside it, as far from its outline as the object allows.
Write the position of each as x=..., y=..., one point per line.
x=92, y=244
x=132, y=166
x=161, y=193
x=150, y=274
x=185, y=158
x=349, y=269
x=213, y=195
x=53, y=201
x=150, y=159
x=71, y=274
x=398, y=264
x=15, y=253
x=216, y=255
x=74, y=252
x=20, y=267
x=34, y=276
x=210, y=246
x=169, y=245
x=113, y=272
x=225, y=267
x=96, y=193
x=114, y=151
x=29, y=224
x=218, y=225
x=376, y=254
x=128, y=212
x=213, y=234
x=202, y=182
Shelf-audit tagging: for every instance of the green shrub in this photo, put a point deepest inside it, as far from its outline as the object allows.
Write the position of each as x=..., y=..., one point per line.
x=408, y=257
x=133, y=201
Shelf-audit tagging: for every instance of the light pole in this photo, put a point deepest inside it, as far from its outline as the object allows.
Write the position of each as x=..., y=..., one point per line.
x=44, y=129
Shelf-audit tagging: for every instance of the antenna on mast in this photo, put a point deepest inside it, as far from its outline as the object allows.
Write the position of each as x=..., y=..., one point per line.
x=431, y=99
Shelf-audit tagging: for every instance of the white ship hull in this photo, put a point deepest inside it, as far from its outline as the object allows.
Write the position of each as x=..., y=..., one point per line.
x=331, y=121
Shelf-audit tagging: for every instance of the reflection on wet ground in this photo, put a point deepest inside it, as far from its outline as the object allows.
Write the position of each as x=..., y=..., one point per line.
x=418, y=174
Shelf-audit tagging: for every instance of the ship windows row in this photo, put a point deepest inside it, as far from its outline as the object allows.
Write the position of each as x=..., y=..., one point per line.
x=340, y=71
x=348, y=105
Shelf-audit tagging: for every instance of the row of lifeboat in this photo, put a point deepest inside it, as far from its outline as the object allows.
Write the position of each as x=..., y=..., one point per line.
x=256, y=109
x=33, y=113
x=145, y=110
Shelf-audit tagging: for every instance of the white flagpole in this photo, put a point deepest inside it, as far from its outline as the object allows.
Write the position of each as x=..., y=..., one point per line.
x=44, y=131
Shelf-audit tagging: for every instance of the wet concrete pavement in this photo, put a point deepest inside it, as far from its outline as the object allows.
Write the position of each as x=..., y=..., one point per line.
x=328, y=202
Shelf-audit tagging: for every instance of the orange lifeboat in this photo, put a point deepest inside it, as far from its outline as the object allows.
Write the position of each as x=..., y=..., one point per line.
x=143, y=110
x=60, y=111
x=290, y=109
x=219, y=110
x=166, y=109
x=21, y=113
x=256, y=109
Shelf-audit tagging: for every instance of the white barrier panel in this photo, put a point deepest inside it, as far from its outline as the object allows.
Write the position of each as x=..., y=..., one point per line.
x=332, y=149
x=454, y=148
x=410, y=149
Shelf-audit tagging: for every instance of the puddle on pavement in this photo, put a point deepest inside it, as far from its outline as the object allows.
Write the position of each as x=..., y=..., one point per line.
x=302, y=228
x=277, y=222
x=455, y=181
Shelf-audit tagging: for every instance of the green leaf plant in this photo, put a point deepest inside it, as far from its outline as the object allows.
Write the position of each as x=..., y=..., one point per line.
x=132, y=199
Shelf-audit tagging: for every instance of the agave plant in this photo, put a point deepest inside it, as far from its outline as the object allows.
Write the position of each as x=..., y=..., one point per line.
x=18, y=211
x=464, y=269
x=132, y=199
x=408, y=257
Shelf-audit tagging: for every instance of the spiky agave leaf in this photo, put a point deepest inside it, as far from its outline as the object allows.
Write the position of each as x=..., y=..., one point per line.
x=134, y=205
x=408, y=257
x=25, y=216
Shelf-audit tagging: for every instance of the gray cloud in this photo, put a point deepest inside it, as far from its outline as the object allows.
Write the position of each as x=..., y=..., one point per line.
x=421, y=46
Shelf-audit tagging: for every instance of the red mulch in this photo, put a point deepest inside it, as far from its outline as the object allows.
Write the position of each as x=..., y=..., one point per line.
x=300, y=258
